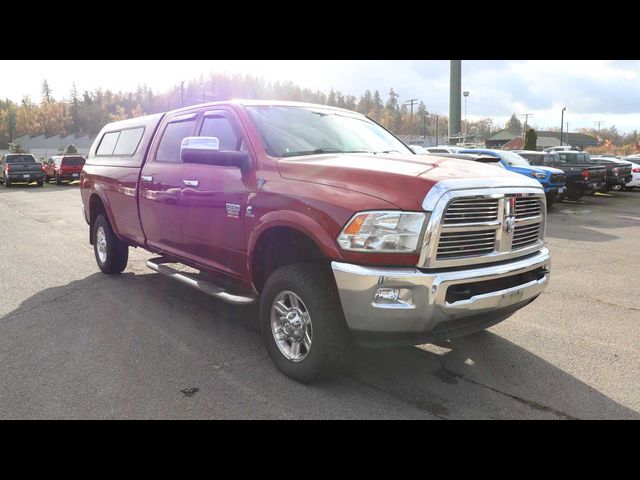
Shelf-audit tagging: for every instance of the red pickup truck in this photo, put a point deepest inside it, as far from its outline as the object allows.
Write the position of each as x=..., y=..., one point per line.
x=325, y=219
x=63, y=168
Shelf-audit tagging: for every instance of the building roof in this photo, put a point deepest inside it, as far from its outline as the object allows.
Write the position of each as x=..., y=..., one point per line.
x=503, y=134
x=548, y=138
x=547, y=141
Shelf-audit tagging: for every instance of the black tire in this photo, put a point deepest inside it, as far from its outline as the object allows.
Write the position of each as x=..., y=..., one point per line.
x=57, y=179
x=40, y=183
x=45, y=179
x=574, y=196
x=117, y=252
x=551, y=201
x=313, y=283
x=7, y=182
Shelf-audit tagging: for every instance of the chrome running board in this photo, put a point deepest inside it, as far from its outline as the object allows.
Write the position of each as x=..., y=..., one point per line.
x=156, y=264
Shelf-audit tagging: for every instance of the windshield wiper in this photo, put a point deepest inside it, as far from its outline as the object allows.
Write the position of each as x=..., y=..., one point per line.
x=387, y=151
x=319, y=151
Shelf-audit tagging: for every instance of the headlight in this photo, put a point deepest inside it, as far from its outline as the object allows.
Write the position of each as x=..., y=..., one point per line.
x=390, y=231
x=538, y=175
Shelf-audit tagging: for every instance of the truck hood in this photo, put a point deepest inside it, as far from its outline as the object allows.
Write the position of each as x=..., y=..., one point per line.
x=402, y=180
x=549, y=169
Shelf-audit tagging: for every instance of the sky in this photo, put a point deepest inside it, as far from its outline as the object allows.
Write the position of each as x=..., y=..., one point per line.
x=593, y=90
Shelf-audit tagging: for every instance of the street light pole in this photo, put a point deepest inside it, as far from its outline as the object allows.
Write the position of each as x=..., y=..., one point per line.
x=466, y=124
x=562, y=124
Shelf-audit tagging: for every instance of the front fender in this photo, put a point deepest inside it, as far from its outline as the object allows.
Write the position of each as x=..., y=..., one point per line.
x=297, y=221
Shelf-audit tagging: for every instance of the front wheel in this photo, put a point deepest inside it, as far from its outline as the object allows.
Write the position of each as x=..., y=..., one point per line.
x=302, y=323
x=111, y=253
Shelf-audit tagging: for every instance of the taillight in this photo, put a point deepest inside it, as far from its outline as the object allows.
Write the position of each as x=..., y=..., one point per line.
x=42, y=167
x=8, y=167
x=636, y=170
x=585, y=174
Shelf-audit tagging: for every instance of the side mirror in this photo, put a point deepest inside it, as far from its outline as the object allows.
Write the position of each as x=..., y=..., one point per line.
x=206, y=150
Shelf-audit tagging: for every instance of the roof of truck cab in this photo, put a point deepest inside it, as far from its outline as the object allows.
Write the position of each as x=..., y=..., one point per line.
x=264, y=103
x=143, y=121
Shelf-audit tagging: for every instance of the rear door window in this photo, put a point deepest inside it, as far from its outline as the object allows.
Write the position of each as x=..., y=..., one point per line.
x=174, y=133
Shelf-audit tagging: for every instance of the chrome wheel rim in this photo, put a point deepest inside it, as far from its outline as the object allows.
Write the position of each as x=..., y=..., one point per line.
x=291, y=326
x=101, y=244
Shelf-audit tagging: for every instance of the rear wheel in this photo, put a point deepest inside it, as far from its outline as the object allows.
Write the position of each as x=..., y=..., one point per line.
x=40, y=183
x=57, y=179
x=46, y=179
x=302, y=323
x=7, y=182
x=573, y=195
x=111, y=253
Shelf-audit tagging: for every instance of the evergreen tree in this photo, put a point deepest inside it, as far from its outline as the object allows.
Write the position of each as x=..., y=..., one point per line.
x=47, y=96
x=531, y=140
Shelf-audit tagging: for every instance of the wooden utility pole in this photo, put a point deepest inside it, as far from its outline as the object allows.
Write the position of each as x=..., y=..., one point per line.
x=411, y=102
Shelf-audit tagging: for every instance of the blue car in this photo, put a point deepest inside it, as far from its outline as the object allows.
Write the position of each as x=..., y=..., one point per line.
x=552, y=179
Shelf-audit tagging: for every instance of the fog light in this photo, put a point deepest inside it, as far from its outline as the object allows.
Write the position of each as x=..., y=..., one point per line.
x=387, y=295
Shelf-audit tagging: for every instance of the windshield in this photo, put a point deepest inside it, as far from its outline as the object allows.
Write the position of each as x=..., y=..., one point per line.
x=289, y=131
x=20, y=159
x=513, y=159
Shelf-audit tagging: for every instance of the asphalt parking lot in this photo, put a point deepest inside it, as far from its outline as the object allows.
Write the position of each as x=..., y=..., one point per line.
x=75, y=343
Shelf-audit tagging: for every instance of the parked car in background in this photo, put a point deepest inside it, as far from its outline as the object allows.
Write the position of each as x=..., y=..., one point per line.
x=582, y=177
x=635, y=175
x=552, y=180
x=418, y=149
x=563, y=148
x=20, y=168
x=63, y=168
x=487, y=159
x=321, y=216
x=621, y=172
x=444, y=149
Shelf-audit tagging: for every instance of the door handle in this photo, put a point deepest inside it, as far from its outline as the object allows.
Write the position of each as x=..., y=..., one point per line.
x=146, y=178
x=190, y=183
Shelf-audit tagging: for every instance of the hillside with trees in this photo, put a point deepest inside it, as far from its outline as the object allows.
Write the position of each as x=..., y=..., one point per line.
x=88, y=111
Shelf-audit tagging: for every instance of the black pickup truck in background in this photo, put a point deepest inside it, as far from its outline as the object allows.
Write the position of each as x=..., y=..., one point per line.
x=618, y=172
x=582, y=175
x=20, y=168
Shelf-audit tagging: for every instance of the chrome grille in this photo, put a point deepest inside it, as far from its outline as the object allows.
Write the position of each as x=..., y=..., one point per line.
x=524, y=235
x=528, y=207
x=461, y=244
x=469, y=210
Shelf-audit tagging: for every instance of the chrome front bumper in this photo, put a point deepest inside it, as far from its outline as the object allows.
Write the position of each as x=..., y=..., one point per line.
x=423, y=306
